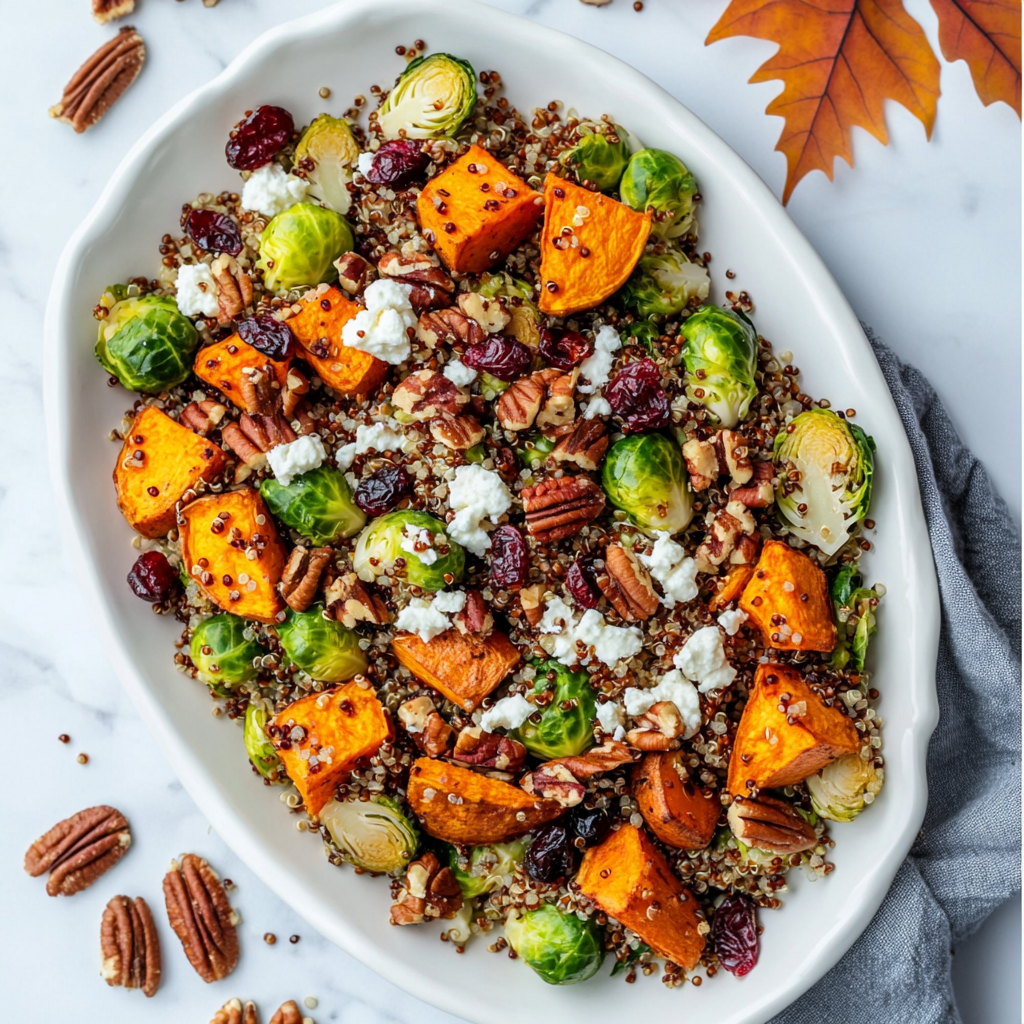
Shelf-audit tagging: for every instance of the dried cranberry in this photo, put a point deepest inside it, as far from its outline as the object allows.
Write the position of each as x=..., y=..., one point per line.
x=581, y=579
x=510, y=559
x=564, y=350
x=259, y=138
x=501, y=357
x=152, y=577
x=382, y=491
x=267, y=334
x=551, y=855
x=591, y=824
x=734, y=934
x=398, y=164
x=637, y=397
x=214, y=232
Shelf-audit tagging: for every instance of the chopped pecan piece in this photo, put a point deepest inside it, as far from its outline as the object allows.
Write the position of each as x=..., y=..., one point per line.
x=301, y=576
x=266, y=432
x=584, y=446
x=252, y=457
x=233, y=1012
x=458, y=432
x=770, y=824
x=553, y=781
x=518, y=407
x=531, y=599
x=351, y=601
x=759, y=491
x=725, y=453
x=257, y=394
x=415, y=268
x=627, y=584
x=559, y=408
x=295, y=387
x=730, y=523
x=354, y=273
x=130, y=946
x=234, y=288
x=448, y=325
x=203, y=416
x=108, y=10
x=561, y=506
x=489, y=750
x=490, y=314
x=660, y=728
x=430, y=891
x=430, y=732
x=746, y=551
x=425, y=394
x=475, y=616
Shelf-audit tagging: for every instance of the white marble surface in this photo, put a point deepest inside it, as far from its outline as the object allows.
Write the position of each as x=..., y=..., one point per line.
x=924, y=238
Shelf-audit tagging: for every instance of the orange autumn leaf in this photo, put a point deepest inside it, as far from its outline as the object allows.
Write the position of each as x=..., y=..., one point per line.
x=840, y=61
x=986, y=34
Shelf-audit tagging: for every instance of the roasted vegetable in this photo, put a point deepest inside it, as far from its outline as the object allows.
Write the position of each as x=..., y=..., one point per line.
x=664, y=283
x=318, y=504
x=588, y=248
x=658, y=181
x=159, y=461
x=486, y=868
x=855, y=611
x=299, y=246
x=563, y=731
x=433, y=98
x=476, y=211
x=258, y=746
x=328, y=152
x=146, y=343
x=432, y=559
x=600, y=156
x=826, y=466
x=560, y=947
x=842, y=789
x=223, y=651
x=226, y=364
x=322, y=648
x=733, y=585
x=373, y=834
x=678, y=812
x=645, y=475
x=775, y=748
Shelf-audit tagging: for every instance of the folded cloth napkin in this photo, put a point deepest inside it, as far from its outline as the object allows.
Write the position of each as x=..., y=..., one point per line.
x=966, y=860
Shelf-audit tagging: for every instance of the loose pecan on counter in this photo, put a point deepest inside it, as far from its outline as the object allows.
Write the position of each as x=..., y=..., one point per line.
x=561, y=506
x=108, y=10
x=287, y=1013
x=130, y=946
x=233, y=1012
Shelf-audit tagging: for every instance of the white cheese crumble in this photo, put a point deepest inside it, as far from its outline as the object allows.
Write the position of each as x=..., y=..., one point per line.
x=476, y=494
x=597, y=406
x=270, y=190
x=426, y=554
x=382, y=329
x=450, y=601
x=380, y=437
x=703, y=660
x=459, y=373
x=594, y=370
x=610, y=716
x=196, y=290
x=674, y=687
x=364, y=163
x=611, y=643
x=423, y=619
x=289, y=460
x=676, y=573
x=732, y=620
x=507, y=713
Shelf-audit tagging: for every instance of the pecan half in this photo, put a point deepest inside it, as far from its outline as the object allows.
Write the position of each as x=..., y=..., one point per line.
x=287, y=1013
x=660, y=728
x=490, y=314
x=746, y=551
x=77, y=850
x=759, y=491
x=457, y=432
x=584, y=446
x=448, y=325
x=130, y=946
x=559, y=408
x=429, y=731
x=430, y=891
x=425, y=394
x=233, y=1012
x=350, y=601
x=203, y=416
x=627, y=584
x=518, y=406
x=234, y=287
x=561, y=506
x=770, y=824
x=301, y=576
x=108, y=10
x=596, y=761
x=475, y=616
x=258, y=395
x=531, y=599
x=553, y=781
x=295, y=388
x=252, y=458
x=266, y=432
x=489, y=750
x=201, y=916
x=354, y=273
x=98, y=84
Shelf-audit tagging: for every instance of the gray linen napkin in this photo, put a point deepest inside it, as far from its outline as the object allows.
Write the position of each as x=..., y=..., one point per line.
x=966, y=859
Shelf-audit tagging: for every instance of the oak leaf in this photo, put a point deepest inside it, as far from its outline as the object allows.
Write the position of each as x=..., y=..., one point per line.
x=839, y=60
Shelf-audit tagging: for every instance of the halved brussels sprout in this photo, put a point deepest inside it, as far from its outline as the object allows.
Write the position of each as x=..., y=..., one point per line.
x=645, y=475
x=654, y=179
x=375, y=834
x=322, y=648
x=299, y=246
x=561, y=948
x=260, y=750
x=328, y=152
x=561, y=733
x=222, y=653
x=720, y=356
x=855, y=610
x=842, y=789
x=401, y=535
x=318, y=504
x=145, y=342
x=432, y=99
x=487, y=868
x=825, y=466
x=600, y=156
x=665, y=283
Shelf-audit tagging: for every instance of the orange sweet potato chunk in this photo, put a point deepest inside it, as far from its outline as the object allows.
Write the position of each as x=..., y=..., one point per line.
x=464, y=668
x=733, y=586
x=350, y=723
x=679, y=813
x=624, y=876
x=317, y=326
x=769, y=751
x=486, y=811
x=476, y=211
x=786, y=583
x=223, y=363
x=173, y=460
x=589, y=245
x=218, y=558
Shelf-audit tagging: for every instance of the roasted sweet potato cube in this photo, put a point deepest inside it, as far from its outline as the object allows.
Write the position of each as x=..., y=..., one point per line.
x=317, y=326
x=321, y=738
x=159, y=461
x=787, y=598
x=476, y=211
x=464, y=668
x=733, y=585
x=485, y=810
x=678, y=812
x=224, y=363
x=774, y=748
x=626, y=876
x=230, y=546
x=589, y=245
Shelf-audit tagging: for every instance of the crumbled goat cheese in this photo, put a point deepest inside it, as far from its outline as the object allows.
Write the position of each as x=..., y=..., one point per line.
x=676, y=573
x=423, y=619
x=610, y=716
x=476, y=494
x=380, y=437
x=383, y=328
x=507, y=713
x=287, y=461
x=270, y=190
x=426, y=554
x=364, y=163
x=703, y=660
x=597, y=406
x=611, y=643
x=459, y=373
x=674, y=687
x=196, y=290
x=595, y=368
x=450, y=601
x=732, y=620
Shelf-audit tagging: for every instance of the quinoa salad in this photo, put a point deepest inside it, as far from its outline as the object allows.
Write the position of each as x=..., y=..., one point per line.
x=520, y=562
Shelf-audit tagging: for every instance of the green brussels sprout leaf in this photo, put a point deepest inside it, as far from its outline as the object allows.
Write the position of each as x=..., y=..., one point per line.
x=375, y=834
x=397, y=535
x=223, y=651
x=486, y=868
x=260, y=750
x=654, y=179
x=560, y=947
x=632, y=956
x=645, y=476
x=299, y=246
x=600, y=156
x=560, y=733
x=318, y=504
x=842, y=789
x=328, y=152
x=432, y=99
x=664, y=284
x=855, y=615
x=323, y=648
